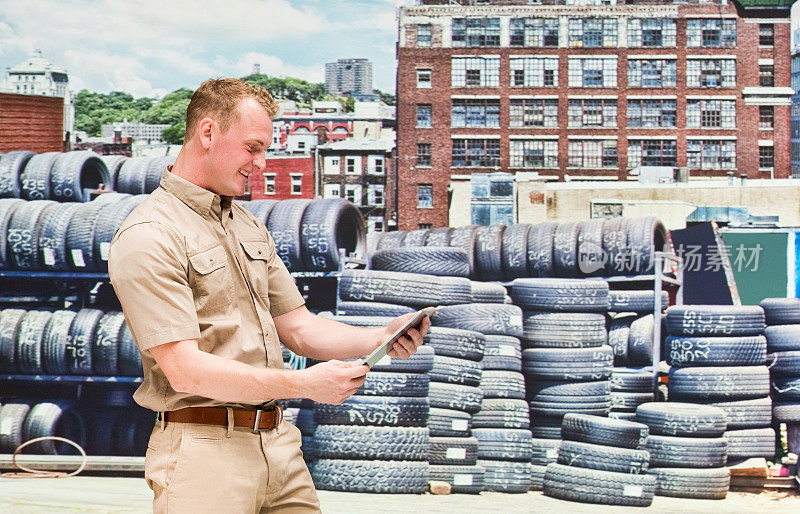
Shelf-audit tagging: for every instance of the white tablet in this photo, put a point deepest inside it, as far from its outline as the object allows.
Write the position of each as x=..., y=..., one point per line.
x=381, y=351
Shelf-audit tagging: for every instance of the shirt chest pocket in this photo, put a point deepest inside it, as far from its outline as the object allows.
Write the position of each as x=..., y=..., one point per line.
x=258, y=255
x=210, y=279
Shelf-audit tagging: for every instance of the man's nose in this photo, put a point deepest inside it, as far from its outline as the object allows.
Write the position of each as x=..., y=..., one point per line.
x=260, y=161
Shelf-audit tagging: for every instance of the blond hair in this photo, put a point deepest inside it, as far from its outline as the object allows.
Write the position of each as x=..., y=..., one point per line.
x=218, y=98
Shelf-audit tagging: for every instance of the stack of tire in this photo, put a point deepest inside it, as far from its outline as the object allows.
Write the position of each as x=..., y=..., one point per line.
x=63, y=342
x=137, y=175
x=687, y=449
x=22, y=421
x=603, y=461
x=717, y=356
x=783, y=344
x=565, y=360
x=57, y=176
x=630, y=387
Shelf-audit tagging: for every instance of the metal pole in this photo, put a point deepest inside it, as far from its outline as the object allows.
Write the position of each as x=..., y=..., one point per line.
x=659, y=268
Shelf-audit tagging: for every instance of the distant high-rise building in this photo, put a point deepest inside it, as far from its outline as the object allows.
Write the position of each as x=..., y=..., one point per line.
x=256, y=69
x=348, y=76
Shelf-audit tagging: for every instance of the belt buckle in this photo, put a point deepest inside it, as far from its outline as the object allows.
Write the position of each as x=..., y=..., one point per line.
x=257, y=422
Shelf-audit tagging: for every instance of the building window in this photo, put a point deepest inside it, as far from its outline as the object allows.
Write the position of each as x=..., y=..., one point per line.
x=652, y=113
x=651, y=32
x=423, y=155
x=711, y=155
x=475, y=113
x=766, y=157
x=711, y=73
x=534, y=32
x=424, y=78
x=652, y=152
x=475, y=153
x=711, y=32
x=297, y=184
x=474, y=32
x=375, y=224
x=352, y=165
x=424, y=196
x=530, y=112
x=534, y=72
x=534, y=153
x=475, y=72
x=269, y=183
x=423, y=115
x=593, y=72
x=423, y=35
x=352, y=193
x=766, y=117
x=592, y=153
x=593, y=32
x=652, y=72
x=766, y=34
x=593, y=113
x=711, y=114
x=331, y=165
x=766, y=75
x=375, y=164
x=331, y=191
x=375, y=195
x=423, y=226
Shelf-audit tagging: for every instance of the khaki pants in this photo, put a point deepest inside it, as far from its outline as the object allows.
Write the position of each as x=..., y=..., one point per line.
x=194, y=468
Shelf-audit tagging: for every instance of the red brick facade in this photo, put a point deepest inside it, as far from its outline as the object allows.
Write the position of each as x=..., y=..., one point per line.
x=283, y=169
x=29, y=122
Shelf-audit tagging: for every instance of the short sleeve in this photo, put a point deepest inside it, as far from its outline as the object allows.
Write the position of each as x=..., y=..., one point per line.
x=283, y=293
x=148, y=268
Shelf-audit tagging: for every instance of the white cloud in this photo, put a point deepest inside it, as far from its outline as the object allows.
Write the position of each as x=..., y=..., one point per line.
x=107, y=72
x=270, y=65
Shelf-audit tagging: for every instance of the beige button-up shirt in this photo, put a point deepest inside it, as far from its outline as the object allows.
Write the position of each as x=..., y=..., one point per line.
x=189, y=264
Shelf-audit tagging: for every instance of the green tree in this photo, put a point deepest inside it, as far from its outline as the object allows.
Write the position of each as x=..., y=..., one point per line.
x=387, y=98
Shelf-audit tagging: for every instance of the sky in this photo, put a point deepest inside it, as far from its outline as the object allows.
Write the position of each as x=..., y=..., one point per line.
x=152, y=47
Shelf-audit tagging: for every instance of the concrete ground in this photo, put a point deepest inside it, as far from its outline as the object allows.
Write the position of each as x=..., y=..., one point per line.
x=131, y=495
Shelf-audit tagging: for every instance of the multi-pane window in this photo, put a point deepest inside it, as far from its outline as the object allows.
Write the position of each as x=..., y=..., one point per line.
x=476, y=32
x=766, y=34
x=535, y=32
x=375, y=195
x=297, y=184
x=711, y=73
x=766, y=75
x=766, y=117
x=711, y=114
x=424, y=196
x=352, y=193
x=588, y=72
x=652, y=72
x=475, y=72
x=711, y=32
x=534, y=153
x=375, y=164
x=423, y=115
x=475, y=152
x=652, y=152
x=593, y=32
x=530, y=112
x=475, y=113
x=593, y=153
x=269, y=183
x=711, y=155
x=649, y=113
x=651, y=32
x=592, y=113
x=424, y=35
x=423, y=154
x=766, y=157
x=423, y=78
x=534, y=72
x=352, y=165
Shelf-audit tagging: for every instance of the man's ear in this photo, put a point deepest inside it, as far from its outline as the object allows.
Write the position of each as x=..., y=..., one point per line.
x=205, y=128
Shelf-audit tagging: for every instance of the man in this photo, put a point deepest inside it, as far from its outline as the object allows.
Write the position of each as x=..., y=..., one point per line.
x=207, y=301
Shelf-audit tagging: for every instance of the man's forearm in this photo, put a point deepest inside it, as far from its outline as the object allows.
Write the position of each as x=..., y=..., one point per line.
x=325, y=339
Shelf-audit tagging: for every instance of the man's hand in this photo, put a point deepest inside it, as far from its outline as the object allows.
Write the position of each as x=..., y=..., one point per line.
x=407, y=345
x=333, y=381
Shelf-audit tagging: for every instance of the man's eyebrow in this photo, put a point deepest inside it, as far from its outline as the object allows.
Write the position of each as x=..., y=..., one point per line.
x=256, y=141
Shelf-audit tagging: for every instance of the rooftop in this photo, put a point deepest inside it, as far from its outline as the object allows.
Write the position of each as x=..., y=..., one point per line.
x=359, y=144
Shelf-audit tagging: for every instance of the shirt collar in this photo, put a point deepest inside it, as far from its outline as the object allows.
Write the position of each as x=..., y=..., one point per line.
x=202, y=201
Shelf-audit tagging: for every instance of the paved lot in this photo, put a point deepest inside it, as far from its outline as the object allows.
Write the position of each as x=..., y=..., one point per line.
x=130, y=495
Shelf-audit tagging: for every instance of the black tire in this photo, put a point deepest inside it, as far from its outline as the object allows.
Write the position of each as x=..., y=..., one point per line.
x=439, y=237
x=374, y=411
x=395, y=384
x=452, y=370
x=632, y=380
x=449, y=423
x=392, y=240
x=488, y=256
x=305, y=421
x=12, y=418
x=682, y=419
x=502, y=353
x=420, y=362
x=110, y=219
x=114, y=163
x=615, y=245
x=11, y=166
x=105, y=348
x=594, y=486
x=369, y=476
x=452, y=342
x=716, y=351
x=687, y=452
x=784, y=364
x=618, y=334
x=603, y=458
x=504, y=444
x=514, y=251
x=537, y=477
x=640, y=342
x=566, y=392
x=503, y=384
x=82, y=335
x=10, y=322
x=29, y=342
x=715, y=320
x=54, y=342
x=261, y=209
x=786, y=412
x=132, y=175
x=627, y=402
x=23, y=234
x=73, y=172
x=635, y=301
x=327, y=226
x=368, y=443
x=645, y=236
x=603, y=431
x=746, y=413
x=540, y=250
x=390, y=287
x=565, y=250
x=563, y=330
x=416, y=238
x=786, y=389
x=53, y=236
x=591, y=259
x=753, y=442
x=781, y=338
x=565, y=295
x=462, y=479
x=456, y=290
x=487, y=292
x=506, y=477
x=285, y=227
x=8, y=206
x=567, y=364
x=155, y=170
x=80, y=236
x=502, y=413
x=719, y=384
x=701, y=484
x=455, y=396
x=486, y=318
x=35, y=178
x=781, y=311
x=465, y=238
x=624, y=416
x=544, y=451
x=546, y=428
x=595, y=406
x=431, y=260
x=58, y=418
x=453, y=451
x=371, y=309
x=129, y=359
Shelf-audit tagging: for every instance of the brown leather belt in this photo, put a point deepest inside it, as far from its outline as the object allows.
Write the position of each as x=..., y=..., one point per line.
x=255, y=420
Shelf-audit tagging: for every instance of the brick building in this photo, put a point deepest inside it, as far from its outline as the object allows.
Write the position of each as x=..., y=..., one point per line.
x=587, y=92
x=29, y=122
x=287, y=176
x=795, y=119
